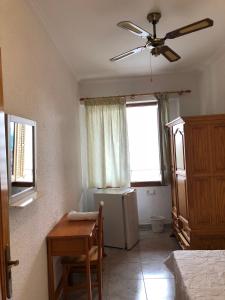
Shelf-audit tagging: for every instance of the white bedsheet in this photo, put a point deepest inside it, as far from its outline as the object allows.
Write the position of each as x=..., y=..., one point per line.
x=199, y=274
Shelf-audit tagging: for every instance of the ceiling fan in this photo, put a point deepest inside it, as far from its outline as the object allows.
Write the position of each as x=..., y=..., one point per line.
x=157, y=45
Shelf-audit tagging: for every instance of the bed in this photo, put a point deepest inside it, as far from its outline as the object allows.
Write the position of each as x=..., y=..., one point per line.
x=199, y=274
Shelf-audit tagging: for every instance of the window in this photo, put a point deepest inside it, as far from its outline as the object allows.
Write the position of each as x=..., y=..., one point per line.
x=143, y=135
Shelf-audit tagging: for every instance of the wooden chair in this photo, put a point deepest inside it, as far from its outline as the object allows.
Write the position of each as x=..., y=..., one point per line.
x=77, y=264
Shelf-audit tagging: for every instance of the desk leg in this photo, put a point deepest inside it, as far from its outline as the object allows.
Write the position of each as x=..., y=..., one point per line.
x=51, y=289
x=88, y=272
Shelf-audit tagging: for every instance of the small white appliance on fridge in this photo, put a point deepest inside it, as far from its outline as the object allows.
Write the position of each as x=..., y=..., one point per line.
x=120, y=216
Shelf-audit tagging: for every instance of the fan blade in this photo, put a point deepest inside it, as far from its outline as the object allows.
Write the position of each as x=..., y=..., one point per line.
x=128, y=53
x=169, y=54
x=189, y=28
x=134, y=29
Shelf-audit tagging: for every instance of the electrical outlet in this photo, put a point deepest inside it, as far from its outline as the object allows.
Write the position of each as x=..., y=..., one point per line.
x=151, y=192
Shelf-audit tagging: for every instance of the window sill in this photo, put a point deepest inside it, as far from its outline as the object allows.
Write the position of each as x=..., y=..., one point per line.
x=24, y=200
x=146, y=183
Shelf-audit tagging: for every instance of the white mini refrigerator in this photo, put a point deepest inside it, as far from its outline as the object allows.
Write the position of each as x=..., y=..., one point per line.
x=120, y=216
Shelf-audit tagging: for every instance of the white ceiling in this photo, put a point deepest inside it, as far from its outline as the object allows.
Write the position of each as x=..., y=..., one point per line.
x=86, y=34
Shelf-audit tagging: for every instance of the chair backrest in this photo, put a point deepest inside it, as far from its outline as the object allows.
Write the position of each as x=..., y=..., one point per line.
x=100, y=231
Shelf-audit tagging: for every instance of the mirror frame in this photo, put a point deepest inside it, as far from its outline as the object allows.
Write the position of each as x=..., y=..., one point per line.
x=27, y=196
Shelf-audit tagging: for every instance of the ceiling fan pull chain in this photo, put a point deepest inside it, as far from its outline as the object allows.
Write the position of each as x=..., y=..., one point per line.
x=150, y=64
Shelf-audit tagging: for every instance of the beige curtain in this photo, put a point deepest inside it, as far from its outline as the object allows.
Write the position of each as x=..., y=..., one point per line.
x=107, y=143
x=163, y=104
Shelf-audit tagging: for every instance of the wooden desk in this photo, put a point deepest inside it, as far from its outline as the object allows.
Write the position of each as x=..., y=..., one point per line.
x=69, y=238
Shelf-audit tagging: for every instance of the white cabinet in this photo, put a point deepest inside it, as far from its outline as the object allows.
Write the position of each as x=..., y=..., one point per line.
x=120, y=216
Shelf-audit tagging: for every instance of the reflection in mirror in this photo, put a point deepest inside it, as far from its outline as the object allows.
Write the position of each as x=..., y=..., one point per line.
x=21, y=156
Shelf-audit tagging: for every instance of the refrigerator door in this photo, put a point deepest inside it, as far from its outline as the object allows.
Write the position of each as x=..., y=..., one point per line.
x=114, y=234
x=131, y=218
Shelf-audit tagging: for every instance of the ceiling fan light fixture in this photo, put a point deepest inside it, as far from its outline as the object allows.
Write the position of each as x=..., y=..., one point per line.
x=155, y=51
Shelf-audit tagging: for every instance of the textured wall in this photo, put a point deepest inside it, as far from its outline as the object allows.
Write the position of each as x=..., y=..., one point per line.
x=212, y=88
x=38, y=85
x=154, y=201
x=189, y=103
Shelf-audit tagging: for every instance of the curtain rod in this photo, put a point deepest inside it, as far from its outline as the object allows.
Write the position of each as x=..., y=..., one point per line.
x=132, y=96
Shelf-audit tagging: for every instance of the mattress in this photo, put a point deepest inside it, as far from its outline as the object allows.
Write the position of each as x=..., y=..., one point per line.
x=199, y=274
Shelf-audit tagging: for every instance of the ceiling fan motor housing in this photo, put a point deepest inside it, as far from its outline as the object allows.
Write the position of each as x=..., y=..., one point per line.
x=155, y=42
x=154, y=17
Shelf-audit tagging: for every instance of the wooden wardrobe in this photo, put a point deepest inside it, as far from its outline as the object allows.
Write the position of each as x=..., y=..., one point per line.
x=198, y=181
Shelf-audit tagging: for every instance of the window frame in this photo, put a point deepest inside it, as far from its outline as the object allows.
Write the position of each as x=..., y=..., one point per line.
x=147, y=183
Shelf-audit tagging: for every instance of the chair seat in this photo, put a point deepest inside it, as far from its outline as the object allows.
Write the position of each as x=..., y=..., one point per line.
x=80, y=260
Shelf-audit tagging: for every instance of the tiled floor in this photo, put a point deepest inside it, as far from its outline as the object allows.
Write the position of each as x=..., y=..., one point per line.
x=139, y=274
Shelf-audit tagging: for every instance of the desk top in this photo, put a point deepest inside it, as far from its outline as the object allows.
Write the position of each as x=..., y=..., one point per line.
x=72, y=229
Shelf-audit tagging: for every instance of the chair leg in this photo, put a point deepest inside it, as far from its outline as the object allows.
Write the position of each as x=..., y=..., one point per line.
x=65, y=281
x=65, y=296
x=99, y=278
x=88, y=278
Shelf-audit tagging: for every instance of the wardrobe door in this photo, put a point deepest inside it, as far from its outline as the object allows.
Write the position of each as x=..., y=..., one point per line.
x=180, y=174
x=200, y=169
x=218, y=174
x=173, y=176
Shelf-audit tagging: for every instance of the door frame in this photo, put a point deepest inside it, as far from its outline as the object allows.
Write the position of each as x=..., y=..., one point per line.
x=4, y=204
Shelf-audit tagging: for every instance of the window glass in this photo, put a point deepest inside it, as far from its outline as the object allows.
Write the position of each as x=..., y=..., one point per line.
x=143, y=135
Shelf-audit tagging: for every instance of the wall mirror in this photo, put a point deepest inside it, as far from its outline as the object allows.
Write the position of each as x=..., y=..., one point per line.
x=21, y=144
